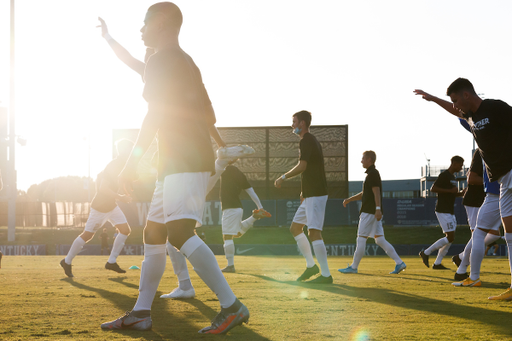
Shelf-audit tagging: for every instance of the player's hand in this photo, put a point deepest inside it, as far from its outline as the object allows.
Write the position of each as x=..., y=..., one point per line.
x=426, y=96
x=103, y=25
x=345, y=202
x=378, y=215
x=278, y=182
x=126, y=179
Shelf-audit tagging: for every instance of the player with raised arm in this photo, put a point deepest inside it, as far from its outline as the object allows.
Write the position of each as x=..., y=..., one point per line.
x=104, y=208
x=469, y=107
x=181, y=114
x=446, y=188
x=311, y=211
x=370, y=221
x=232, y=182
x=155, y=216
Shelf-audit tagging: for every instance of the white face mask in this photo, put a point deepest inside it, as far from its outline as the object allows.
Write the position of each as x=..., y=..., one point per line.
x=297, y=131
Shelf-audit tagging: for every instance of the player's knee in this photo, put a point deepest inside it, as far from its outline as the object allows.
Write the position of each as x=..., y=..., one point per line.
x=450, y=238
x=124, y=229
x=155, y=233
x=314, y=234
x=86, y=236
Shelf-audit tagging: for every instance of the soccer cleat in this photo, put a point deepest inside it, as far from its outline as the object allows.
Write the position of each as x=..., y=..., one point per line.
x=229, y=268
x=261, y=213
x=439, y=267
x=226, y=320
x=424, y=258
x=468, y=282
x=308, y=273
x=460, y=277
x=179, y=294
x=67, y=268
x=456, y=260
x=398, y=268
x=129, y=321
x=348, y=270
x=505, y=296
x=114, y=267
x=235, y=152
x=321, y=280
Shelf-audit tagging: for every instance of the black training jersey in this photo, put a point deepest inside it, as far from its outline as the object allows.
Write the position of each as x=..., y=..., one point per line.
x=313, y=181
x=475, y=195
x=445, y=201
x=105, y=202
x=175, y=93
x=232, y=182
x=372, y=180
x=491, y=126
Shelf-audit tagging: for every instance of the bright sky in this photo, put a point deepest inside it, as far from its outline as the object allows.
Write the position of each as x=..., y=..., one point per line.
x=348, y=62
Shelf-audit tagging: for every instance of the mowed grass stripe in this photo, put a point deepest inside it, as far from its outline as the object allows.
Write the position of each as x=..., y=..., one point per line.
x=40, y=303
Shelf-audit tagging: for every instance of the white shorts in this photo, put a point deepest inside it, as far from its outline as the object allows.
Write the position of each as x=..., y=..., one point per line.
x=506, y=194
x=232, y=221
x=447, y=221
x=489, y=215
x=472, y=213
x=156, y=209
x=97, y=219
x=181, y=196
x=312, y=212
x=369, y=226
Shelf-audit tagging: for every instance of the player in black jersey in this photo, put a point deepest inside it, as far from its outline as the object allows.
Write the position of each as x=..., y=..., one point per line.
x=314, y=199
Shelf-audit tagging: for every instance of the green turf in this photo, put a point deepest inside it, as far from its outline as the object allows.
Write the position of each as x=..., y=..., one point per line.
x=261, y=235
x=40, y=303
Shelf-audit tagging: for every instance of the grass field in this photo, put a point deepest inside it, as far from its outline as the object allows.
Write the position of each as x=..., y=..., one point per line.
x=39, y=303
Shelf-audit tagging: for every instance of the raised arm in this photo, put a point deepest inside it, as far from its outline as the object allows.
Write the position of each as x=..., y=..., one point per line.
x=448, y=106
x=121, y=53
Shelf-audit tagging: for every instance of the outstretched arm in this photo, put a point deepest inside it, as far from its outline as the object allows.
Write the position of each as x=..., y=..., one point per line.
x=121, y=53
x=254, y=197
x=356, y=197
x=441, y=102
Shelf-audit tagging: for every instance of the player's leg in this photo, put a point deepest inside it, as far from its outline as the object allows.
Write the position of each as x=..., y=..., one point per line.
x=488, y=221
x=118, y=219
x=381, y=241
x=297, y=231
x=181, y=220
x=472, y=214
x=506, y=217
x=231, y=226
x=94, y=222
x=446, y=221
x=229, y=252
x=315, y=214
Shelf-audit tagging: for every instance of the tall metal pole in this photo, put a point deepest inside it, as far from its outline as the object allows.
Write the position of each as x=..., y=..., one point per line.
x=11, y=178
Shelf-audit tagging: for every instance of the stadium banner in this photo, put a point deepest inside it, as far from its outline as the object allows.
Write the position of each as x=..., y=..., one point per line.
x=23, y=250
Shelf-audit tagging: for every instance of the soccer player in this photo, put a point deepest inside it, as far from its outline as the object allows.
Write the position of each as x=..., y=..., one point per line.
x=226, y=154
x=104, y=208
x=446, y=188
x=232, y=182
x=311, y=211
x=180, y=111
x=370, y=221
x=488, y=220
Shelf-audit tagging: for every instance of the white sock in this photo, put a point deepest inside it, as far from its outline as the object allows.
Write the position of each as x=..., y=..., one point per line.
x=75, y=249
x=247, y=224
x=359, y=252
x=206, y=266
x=441, y=253
x=389, y=249
x=464, y=260
x=229, y=251
x=477, y=253
x=305, y=249
x=321, y=256
x=117, y=247
x=153, y=268
x=179, y=265
x=437, y=245
x=508, y=239
x=490, y=238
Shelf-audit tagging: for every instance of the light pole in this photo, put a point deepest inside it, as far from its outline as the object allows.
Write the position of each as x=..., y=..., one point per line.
x=11, y=174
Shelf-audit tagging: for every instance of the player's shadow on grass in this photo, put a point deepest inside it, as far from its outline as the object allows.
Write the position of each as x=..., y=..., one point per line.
x=163, y=318
x=498, y=319
x=121, y=280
